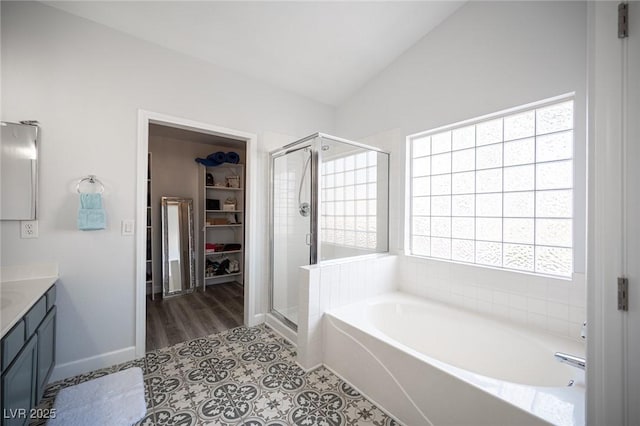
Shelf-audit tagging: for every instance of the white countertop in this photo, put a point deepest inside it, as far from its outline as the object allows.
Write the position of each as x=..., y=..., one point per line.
x=17, y=297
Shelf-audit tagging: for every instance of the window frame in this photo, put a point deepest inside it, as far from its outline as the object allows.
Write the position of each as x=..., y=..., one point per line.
x=573, y=187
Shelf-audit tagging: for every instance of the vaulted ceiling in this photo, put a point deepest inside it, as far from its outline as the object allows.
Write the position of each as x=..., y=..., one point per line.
x=324, y=51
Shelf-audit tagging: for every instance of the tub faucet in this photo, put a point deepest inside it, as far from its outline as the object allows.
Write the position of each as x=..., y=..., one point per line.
x=572, y=360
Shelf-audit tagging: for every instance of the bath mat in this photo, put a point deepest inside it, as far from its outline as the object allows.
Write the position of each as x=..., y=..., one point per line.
x=115, y=400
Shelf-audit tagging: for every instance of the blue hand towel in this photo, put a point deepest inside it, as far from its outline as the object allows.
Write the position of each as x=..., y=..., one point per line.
x=91, y=215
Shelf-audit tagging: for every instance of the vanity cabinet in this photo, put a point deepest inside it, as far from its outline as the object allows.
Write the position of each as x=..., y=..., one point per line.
x=18, y=385
x=28, y=358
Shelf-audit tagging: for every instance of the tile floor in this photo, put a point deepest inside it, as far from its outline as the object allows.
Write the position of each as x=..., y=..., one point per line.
x=242, y=376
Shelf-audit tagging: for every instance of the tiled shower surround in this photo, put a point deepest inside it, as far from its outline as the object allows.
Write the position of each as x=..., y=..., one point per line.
x=557, y=306
x=333, y=284
x=243, y=376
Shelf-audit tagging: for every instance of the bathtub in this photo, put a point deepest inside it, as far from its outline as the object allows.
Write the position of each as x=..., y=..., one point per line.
x=431, y=364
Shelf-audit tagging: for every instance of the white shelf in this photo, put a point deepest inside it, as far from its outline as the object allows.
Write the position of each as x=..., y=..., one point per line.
x=150, y=238
x=225, y=166
x=235, y=274
x=224, y=188
x=217, y=233
x=220, y=253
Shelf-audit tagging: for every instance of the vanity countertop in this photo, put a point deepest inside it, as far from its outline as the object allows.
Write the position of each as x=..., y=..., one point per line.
x=17, y=297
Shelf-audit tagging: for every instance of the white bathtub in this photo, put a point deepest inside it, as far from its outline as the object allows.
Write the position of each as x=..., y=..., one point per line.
x=431, y=364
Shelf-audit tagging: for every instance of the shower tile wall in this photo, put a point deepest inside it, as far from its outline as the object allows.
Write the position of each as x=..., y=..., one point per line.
x=327, y=286
x=553, y=305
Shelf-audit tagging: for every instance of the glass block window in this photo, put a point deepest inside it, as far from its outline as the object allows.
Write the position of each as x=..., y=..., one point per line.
x=349, y=200
x=497, y=191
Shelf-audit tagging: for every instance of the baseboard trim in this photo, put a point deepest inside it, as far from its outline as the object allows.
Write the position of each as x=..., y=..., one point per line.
x=85, y=365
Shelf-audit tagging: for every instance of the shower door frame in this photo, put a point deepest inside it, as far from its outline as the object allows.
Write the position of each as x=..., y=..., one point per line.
x=312, y=142
x=315, y=204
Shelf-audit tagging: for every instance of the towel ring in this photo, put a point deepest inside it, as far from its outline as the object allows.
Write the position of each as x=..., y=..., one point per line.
x=93, y=180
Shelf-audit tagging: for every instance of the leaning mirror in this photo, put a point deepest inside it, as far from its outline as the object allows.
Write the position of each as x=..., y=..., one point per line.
x=18, y=171
x=178, y=260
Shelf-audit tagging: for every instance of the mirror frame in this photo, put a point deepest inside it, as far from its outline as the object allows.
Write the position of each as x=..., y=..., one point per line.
x=166, y=201
x=34, y=175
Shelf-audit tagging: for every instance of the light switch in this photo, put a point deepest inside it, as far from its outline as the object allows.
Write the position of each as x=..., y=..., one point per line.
x=128, y=227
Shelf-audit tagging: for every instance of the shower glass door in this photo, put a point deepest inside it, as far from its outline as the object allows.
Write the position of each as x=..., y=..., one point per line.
x=291, y=226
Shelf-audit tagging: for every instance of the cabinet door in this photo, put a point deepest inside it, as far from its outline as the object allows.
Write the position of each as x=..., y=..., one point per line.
x=46, y=351
x=18, y=386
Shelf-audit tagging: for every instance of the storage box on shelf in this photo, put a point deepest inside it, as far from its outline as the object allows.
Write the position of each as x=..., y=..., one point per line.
x=223, y=224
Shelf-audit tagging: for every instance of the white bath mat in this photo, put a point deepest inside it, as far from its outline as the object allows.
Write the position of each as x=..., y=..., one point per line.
x=115, y=400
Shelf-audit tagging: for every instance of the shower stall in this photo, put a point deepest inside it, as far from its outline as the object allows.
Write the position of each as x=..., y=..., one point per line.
x=329, y=200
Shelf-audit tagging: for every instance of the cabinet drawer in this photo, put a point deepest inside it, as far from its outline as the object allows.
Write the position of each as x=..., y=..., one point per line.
x=12, y=343
x=51, y=298
x=35, y=316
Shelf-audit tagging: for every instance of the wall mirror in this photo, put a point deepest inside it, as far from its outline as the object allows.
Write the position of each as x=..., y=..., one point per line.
x=178, y=255
x=18, y=171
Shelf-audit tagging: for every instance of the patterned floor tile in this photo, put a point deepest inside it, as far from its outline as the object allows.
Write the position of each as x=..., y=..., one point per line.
x=363, y=412
x=170, y=417
x=284, y=376
x=229, y=402
x=322, y=380
x=242, y=376
x=315, y=408
x=275, y=405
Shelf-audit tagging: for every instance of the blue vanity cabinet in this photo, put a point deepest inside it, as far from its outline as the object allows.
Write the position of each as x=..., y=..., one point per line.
x=28, y=358
x=18, y=386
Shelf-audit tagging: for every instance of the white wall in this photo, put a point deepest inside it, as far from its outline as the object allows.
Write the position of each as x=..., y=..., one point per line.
x=486, y=57
x=85, y=84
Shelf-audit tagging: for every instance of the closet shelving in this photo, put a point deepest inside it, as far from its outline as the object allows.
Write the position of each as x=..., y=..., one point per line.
x=227, y=233
x=149, y=268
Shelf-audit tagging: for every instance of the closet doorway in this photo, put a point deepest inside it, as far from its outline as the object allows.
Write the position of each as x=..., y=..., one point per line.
x=195, y=278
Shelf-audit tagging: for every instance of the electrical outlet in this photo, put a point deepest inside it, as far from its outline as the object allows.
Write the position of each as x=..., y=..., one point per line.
x=29, y=229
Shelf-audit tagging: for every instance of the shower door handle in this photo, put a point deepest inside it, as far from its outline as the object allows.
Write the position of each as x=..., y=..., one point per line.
x=308, y=239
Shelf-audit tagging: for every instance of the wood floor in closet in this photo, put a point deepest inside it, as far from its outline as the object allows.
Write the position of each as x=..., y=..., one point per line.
x=181, y=318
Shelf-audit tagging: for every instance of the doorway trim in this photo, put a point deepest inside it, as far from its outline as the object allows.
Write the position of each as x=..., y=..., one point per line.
x=251, y=315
